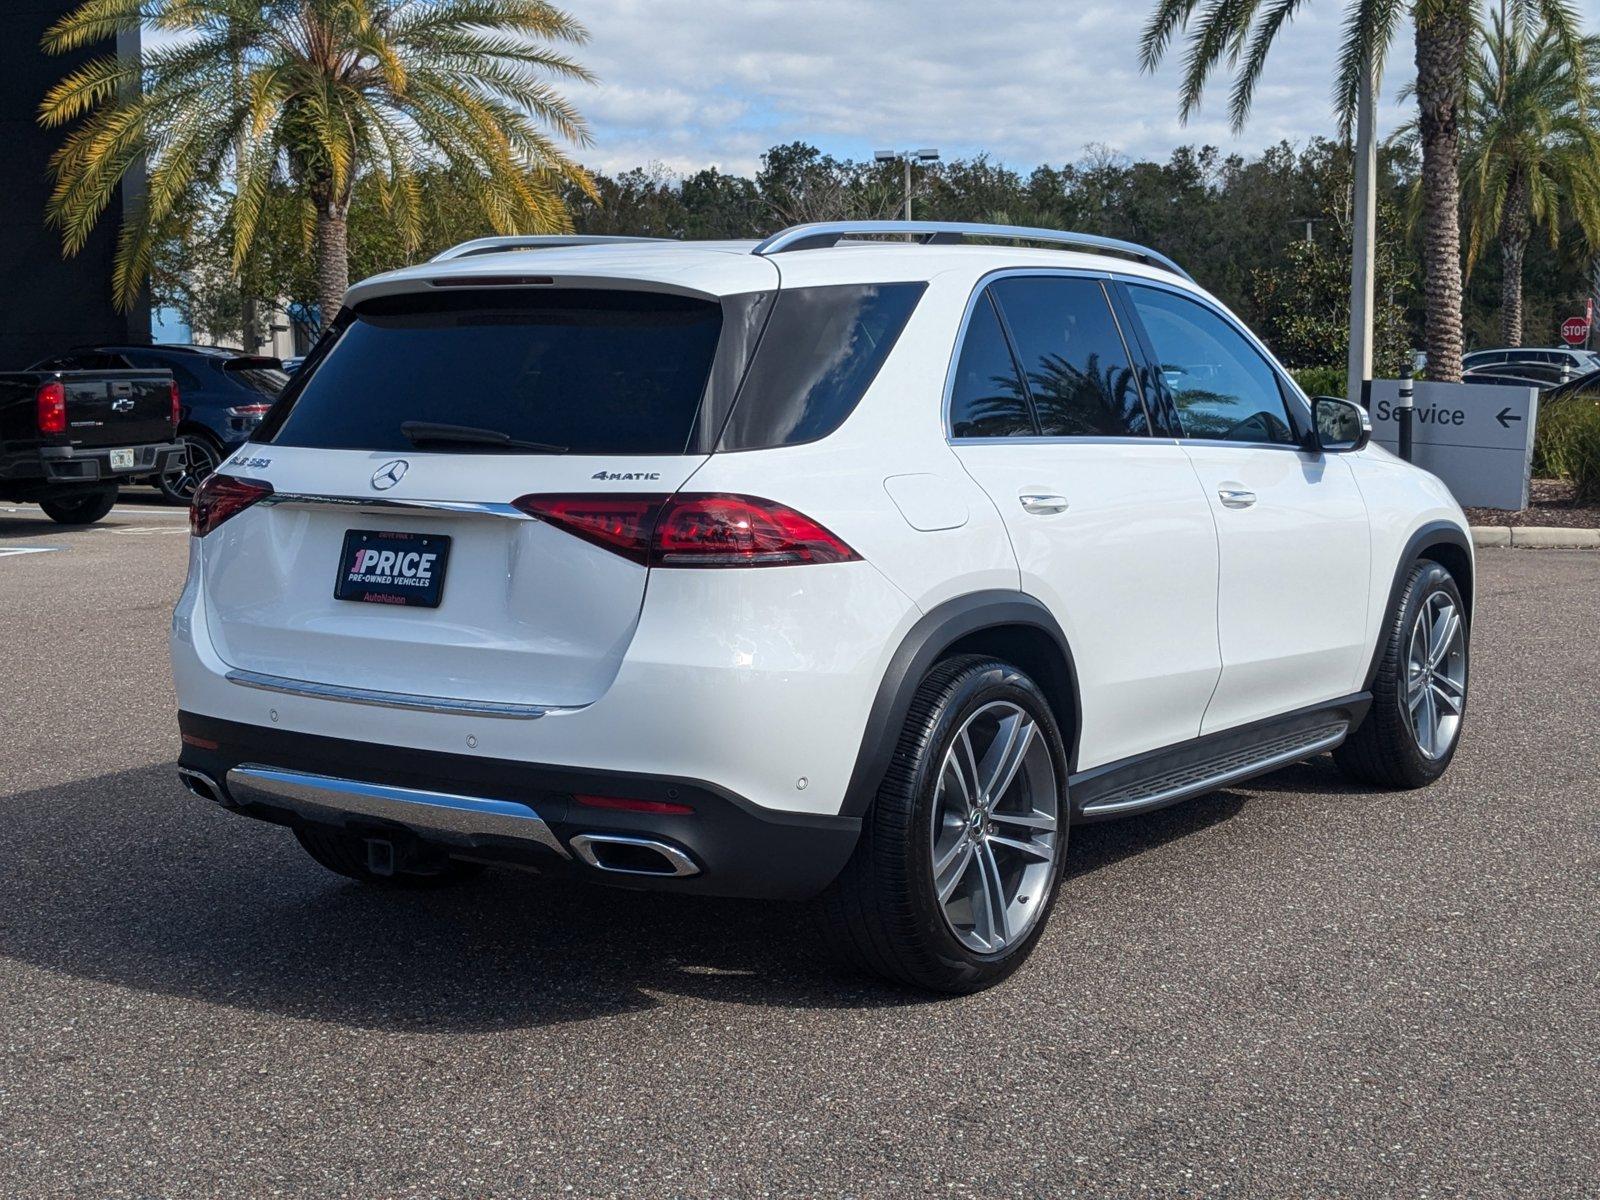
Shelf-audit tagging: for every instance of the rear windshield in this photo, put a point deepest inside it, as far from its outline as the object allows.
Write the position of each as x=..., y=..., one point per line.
x=590, y=371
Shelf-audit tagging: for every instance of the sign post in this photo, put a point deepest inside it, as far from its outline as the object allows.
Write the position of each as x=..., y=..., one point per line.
x=1575, y=330
x=1476, y=437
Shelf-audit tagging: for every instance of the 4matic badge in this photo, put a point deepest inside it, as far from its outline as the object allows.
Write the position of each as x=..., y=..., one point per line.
x=609, y=475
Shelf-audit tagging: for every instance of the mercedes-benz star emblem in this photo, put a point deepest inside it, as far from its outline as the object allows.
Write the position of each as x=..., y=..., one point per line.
x=391, y=473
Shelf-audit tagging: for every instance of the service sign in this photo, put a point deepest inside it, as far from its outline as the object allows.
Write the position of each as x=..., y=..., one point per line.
x=1478, y=438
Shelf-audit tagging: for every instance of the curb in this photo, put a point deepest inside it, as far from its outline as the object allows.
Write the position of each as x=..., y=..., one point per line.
x=1541, y=537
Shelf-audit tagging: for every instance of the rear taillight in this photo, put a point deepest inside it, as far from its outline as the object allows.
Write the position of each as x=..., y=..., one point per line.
x=740, y=531
x=51, y=399
x=177, y=409
x=222, y=496
x=693, y=530
x=620, y=523
x=249, y=410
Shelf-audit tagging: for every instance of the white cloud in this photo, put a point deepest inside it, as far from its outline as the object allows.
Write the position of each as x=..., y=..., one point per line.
x=691, y=83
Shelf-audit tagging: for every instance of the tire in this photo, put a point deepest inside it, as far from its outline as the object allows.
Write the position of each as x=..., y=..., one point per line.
x=883, y=915
x=346, y=854
x=83, y=509
x=201, y=456
x=1387, y=749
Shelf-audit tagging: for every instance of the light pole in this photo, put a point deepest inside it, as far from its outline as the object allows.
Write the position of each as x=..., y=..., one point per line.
x=928, y=155
x=1363, y=236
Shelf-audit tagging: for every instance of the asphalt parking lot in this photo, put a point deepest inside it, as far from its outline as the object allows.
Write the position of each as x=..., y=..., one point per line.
x=1287, y=989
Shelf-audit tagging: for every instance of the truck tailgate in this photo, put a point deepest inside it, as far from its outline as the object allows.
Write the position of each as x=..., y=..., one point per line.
x=117, y=408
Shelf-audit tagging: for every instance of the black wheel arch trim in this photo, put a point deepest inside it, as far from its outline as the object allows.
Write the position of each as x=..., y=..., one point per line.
x=1430, y=536
x=937, y=631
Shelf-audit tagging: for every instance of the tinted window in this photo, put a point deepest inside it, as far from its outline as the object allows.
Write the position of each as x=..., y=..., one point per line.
x=84, y=360
x=186, y=379
x=987, y=399
x=820, y=351
x=1222, y=386
x=1077, y=367
x=593, y=371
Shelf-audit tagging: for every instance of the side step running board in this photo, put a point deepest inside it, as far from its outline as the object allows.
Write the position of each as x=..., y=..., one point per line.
x=1218, y=770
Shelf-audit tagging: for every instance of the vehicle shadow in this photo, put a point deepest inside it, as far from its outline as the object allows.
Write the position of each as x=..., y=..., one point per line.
x=35, y=525
x=129, y=880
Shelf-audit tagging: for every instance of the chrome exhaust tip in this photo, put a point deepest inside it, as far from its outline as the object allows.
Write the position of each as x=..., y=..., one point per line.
x=619, y=855
x=202, y=785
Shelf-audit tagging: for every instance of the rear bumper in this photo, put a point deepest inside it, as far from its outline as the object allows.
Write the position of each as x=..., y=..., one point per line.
x=520, y=813
x=45, y=470
x=76, y=464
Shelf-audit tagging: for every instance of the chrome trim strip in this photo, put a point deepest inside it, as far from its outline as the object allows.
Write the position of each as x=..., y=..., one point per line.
x=822, y=234
x=405, y=700
x=459, y=818
x=1211, y=783
x=682, y=865
x=481, y=508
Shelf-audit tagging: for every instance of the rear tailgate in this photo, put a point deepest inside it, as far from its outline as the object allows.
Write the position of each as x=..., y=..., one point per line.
x=116, y=408
x=390, y=557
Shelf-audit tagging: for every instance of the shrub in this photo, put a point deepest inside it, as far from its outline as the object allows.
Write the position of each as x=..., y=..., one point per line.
x=1567, y=444
x=1320, y=381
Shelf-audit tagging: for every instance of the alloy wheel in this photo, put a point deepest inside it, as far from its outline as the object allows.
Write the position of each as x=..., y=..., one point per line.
x=996, y=813
x=199, y=460
x=1436, y=675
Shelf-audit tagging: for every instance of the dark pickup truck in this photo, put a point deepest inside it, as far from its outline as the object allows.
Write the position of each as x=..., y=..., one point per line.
x=67, y=438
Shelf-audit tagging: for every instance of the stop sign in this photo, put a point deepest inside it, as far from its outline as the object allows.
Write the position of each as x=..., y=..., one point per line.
x=1574, y=331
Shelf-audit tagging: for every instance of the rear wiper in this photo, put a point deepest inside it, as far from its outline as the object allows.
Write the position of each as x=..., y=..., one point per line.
x=421, y=433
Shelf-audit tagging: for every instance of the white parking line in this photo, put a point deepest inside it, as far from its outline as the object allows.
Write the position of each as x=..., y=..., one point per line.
x=6, y=551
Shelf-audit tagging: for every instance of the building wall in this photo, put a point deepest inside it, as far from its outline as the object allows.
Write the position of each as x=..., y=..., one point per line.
x=47, y=304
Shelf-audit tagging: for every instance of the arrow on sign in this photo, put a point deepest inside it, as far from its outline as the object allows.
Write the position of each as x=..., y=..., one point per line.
x=1505, y=416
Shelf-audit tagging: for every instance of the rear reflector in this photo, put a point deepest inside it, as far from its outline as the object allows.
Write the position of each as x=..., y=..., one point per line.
x=626, y=805
x=51, y=400
x=704, y=530
x=220, y=497
x=200, y=743
x=177, y=408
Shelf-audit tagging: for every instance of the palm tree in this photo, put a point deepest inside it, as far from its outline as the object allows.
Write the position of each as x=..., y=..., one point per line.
x=1241, y=32
x=1532, y=149
x=316, y=93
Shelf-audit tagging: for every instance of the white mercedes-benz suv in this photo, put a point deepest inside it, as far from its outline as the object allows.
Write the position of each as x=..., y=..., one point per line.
x=858, y=564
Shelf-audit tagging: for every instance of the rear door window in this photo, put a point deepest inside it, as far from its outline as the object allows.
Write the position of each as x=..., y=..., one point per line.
x=591, y=371
x=1078, y=370
x=987, y=397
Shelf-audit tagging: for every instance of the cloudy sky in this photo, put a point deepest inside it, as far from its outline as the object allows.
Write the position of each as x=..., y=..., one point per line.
x=695, y=83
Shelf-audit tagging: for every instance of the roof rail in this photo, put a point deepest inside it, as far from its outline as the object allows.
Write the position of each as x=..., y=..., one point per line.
x=495, y=245
x=823, y=234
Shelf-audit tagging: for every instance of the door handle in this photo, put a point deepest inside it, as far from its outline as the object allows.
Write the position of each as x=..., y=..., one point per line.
x=1236, y=498
x=1044, y=505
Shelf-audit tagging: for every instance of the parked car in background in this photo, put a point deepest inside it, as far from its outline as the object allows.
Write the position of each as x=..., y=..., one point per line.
x=1522, y=374
x=223, y=394
x=68, y=438
x=1573, y=362
x=819, y=565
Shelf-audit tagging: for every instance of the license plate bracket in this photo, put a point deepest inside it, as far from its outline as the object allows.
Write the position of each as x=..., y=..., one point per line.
x=122, y=460
x=378, y=566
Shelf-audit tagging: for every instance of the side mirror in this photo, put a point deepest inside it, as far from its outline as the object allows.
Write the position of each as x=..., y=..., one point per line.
x=1337, y=424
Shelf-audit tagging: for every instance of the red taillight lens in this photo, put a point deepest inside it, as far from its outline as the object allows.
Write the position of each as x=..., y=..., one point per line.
x=693, y=530
x=52, y=403
x=177, y=409
x=222, y=496
x=623, y=804
x=740, y=531
x=621, y=523
x=249, y=410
